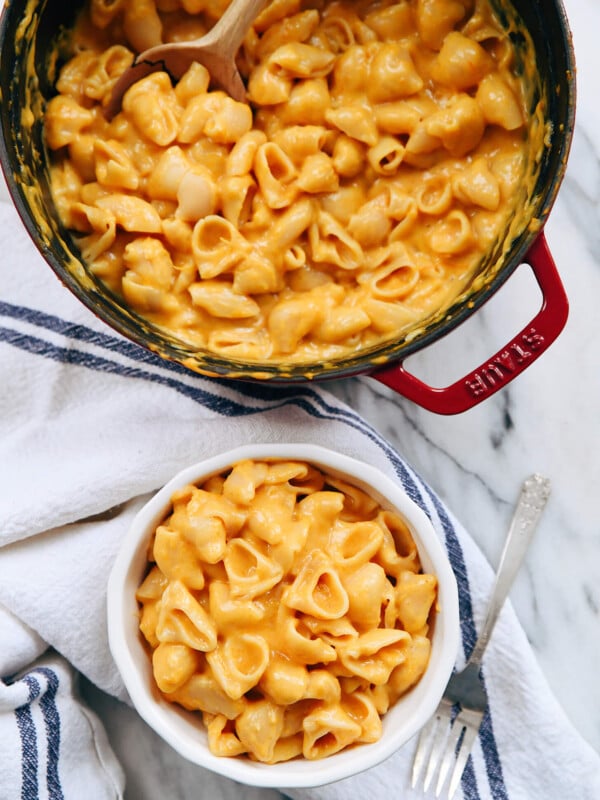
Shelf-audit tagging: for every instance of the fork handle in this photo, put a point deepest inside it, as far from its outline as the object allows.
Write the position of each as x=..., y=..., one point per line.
x=531, y=503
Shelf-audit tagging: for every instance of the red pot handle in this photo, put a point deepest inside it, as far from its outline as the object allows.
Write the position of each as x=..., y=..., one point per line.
x=507, y=363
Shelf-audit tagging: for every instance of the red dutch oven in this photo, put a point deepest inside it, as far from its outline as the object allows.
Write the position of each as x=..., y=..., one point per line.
x=28, y=36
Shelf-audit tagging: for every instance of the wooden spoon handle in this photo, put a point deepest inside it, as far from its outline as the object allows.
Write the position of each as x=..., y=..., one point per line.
x=231, y=29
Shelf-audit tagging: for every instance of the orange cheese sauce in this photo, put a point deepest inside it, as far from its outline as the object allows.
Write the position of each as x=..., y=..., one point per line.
x=287, y=607
x=380, y=157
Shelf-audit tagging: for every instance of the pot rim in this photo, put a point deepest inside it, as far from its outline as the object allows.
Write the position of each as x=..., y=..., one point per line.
x=111, y=310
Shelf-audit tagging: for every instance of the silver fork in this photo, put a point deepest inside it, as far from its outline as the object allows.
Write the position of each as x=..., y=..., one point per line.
x=448, y=739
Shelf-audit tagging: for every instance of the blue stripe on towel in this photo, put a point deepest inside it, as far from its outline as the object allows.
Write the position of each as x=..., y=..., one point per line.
x=266, y=392
x=469, y=636
x=491, y=756
x=29, y=748
x=52, y=723
x=299, y=395
x=66, y=355
x=222, y=405
x=307, y=399
x=469, y=782
x=274, y=397
x=81, y=333
x=303, y=397
x=467, y=624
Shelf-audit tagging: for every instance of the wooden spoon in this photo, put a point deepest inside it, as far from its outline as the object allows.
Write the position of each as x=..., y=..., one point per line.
x=216, y=50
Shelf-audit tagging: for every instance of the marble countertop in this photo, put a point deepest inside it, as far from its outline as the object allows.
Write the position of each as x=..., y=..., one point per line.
x=547, y=421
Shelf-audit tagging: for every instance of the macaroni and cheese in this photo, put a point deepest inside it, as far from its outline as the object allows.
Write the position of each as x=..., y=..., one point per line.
x=376, y=162
x=287, y=607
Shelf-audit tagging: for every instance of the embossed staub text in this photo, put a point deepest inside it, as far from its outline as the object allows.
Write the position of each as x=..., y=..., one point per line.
x=505, y=364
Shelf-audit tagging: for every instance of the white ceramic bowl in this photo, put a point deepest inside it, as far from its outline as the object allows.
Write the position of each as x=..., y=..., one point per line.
x=183, y=730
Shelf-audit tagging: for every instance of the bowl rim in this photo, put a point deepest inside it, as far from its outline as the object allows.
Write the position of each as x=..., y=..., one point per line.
x=133, y=662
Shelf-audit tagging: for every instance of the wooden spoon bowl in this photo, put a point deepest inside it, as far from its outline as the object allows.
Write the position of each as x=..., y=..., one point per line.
x=216, y=50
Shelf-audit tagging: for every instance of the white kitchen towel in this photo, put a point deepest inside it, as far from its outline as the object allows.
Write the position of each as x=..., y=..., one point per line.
x=51, y=745
x=90, y=424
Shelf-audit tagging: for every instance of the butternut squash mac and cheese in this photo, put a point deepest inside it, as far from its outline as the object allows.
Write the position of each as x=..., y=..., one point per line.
x=376, y=162
x=288, y=607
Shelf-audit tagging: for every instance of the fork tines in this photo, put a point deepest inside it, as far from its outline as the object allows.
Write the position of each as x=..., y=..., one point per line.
x=445, y=741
